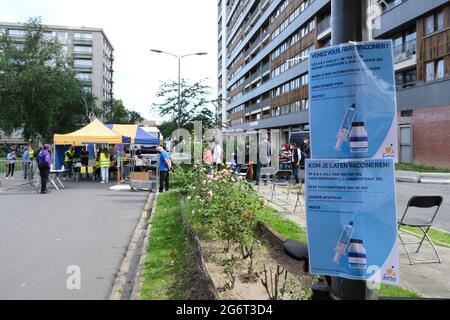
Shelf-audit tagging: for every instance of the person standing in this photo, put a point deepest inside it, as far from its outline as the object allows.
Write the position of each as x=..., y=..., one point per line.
x=208, y=159
x=27, y=158
x=11, y=159
x=44, y=160
x=265, y=154
x=68, y=160
x=84, y=155
x=285, y=157
x=104, y=165
x=165, y=165
x=296, y=158
x=218, y=156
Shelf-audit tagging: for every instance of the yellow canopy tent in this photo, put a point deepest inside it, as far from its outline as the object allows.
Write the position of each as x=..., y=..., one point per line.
x=95, y=132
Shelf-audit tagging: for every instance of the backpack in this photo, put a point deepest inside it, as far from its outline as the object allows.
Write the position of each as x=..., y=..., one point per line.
x=40, y=159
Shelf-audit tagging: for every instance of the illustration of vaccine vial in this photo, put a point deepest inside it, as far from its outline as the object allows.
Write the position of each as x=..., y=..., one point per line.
x=357, y=256
x=359, y=140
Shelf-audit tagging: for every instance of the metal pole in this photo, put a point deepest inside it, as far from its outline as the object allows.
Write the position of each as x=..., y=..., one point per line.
x=346, y=21
x=179, y=93
x=347, y=24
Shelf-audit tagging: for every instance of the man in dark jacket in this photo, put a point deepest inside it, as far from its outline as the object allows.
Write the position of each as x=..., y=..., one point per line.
x=44, y=160
x=296, y=159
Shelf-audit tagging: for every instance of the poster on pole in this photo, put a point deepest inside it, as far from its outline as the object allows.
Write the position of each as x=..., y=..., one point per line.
x=353, y=112
x=350, y=181
x=351, y=219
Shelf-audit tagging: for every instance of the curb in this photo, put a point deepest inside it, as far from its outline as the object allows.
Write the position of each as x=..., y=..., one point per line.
x=422, y=177
x=121, y=287
x=136, y=293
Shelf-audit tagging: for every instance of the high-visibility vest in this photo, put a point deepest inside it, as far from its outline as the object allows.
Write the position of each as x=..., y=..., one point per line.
x=31, y=154
x=104, y=160
x=69, y=156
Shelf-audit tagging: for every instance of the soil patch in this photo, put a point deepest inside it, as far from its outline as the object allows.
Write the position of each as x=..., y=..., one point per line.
x=268, y=257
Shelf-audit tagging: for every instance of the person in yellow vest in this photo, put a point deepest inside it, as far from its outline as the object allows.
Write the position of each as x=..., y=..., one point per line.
x=68, y=160
x=104, y=165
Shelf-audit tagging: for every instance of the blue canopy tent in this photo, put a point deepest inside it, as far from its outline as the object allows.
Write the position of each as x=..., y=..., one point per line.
x=138, y=136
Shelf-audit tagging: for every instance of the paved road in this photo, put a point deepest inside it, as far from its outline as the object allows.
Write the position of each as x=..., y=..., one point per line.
x=85, y=225
x=406, y=190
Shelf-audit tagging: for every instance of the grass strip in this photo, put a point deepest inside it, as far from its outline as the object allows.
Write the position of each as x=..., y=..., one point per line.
x=285, y=227
x=397, y=292
x=167, y=251
x=440, y=238
x=419, y=168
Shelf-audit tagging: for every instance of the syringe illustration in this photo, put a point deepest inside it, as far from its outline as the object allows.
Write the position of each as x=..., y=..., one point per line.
x=343, y=242
x=342, y=135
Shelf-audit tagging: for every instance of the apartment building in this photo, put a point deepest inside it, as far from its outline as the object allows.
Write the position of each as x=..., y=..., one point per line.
x=263, y=64
x=89, y=49
x=263, y=67
x=420, y=31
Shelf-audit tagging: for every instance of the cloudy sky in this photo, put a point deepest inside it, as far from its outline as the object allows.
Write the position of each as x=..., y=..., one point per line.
x=134, y=27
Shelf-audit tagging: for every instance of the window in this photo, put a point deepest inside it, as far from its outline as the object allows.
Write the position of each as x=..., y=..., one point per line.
x=434, y=23
x=430, y=71
x=435, y=70
x=440, y=21
x=440, y=69
x=405, y=79
x=429, y=25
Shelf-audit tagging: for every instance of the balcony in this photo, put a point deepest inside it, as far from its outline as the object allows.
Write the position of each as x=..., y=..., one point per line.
x=324, y=28
x=82, y=54
x=17, y=37
x=422, y=95
x=402, y=12
x=405, y=55
x=82, y=41
x=78, y=67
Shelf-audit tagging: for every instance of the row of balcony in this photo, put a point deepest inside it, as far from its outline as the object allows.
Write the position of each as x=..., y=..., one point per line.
x=22, y=37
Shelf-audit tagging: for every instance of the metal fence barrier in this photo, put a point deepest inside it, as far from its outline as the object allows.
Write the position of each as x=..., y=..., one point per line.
x=17, y=170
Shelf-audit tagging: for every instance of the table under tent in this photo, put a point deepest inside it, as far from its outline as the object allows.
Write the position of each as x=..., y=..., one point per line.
x=143, y=172
x=91, y=136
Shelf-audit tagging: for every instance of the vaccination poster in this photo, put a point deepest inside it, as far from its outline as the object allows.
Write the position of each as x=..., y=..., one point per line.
x=352, y=224
x=353, y=103
x=350, y=181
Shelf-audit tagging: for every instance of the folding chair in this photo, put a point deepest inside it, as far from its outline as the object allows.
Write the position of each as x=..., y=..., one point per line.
x=243, y=171
x=282, y=178
x=266, y=174
x=424, y=224
x=298, y=201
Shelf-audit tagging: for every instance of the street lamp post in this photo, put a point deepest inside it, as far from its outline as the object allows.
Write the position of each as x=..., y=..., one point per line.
x=179, y=75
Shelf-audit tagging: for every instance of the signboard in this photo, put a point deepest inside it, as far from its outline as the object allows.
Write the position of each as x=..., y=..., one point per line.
x=119, y=148
x=352, y=224
x=350, y=197
x=353, y=104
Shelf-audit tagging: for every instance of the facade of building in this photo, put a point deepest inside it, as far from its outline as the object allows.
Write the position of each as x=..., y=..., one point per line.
x=263, y=66
x=420, y=31
x=89, y=49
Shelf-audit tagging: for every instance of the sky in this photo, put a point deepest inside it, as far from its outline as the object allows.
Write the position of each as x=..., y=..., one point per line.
x=134, y=27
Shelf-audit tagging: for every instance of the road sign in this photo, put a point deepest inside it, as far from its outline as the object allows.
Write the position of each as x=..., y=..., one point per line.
x=119, y=148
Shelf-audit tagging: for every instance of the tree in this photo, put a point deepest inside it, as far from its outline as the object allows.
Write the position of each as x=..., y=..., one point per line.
x=116, y=113
x=39, y=93
x=195, y=105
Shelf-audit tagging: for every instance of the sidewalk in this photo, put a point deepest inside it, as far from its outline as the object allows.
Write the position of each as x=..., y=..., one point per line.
x=430, y=280
x=419, y=177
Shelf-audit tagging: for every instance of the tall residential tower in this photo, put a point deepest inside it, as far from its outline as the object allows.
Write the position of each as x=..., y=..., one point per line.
x=263, y=66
